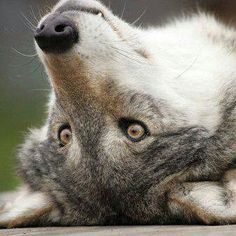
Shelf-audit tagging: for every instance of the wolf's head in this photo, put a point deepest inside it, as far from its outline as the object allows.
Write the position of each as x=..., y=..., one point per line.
x=106, y=155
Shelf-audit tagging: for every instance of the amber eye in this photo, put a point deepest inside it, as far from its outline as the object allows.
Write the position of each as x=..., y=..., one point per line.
x=134, y=130
x=65, y=135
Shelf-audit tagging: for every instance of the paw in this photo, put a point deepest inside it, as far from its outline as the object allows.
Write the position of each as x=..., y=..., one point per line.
x=27, y=208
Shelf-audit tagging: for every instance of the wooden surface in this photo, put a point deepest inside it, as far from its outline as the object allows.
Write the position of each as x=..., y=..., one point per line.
x=229, y=230
x=126, y=231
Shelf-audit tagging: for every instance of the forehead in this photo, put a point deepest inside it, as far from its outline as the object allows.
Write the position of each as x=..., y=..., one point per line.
x=108, y=99
x=94, y=119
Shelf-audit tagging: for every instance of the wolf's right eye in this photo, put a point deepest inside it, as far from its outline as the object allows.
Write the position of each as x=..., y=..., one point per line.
x=134, y=130
x=65, y=135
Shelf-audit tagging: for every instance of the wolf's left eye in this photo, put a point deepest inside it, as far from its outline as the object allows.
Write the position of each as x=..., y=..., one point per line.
x=65, y=135
x=134, y=130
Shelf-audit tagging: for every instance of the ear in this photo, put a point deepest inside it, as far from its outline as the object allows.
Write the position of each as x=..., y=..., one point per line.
x=209, y=202
x=28, y=208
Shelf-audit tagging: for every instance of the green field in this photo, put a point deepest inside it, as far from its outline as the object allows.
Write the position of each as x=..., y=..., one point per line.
x=23, y=83
x=18, y=112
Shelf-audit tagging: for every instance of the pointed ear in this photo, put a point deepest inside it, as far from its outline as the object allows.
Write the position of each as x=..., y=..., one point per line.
x=28, y=208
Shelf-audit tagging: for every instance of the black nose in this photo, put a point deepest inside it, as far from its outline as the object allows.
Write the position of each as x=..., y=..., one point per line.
x=56, y=34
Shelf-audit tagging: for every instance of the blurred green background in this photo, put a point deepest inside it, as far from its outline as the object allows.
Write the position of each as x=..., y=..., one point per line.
x=23, y=83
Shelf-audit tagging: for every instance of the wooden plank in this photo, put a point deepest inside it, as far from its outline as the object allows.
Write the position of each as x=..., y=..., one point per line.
x=125, y=231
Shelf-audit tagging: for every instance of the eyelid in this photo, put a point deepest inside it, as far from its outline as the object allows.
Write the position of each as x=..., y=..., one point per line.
x=64, y=126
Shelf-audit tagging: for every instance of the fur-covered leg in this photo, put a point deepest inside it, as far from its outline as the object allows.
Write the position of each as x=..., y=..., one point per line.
x=28, y=208
x=209, y=202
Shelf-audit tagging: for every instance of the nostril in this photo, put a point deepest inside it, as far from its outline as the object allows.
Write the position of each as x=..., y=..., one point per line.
x=42, y=27
x=60, y=28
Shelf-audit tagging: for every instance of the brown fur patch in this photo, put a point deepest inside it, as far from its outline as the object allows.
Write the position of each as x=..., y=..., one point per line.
x=24, y=220
x=194, y=210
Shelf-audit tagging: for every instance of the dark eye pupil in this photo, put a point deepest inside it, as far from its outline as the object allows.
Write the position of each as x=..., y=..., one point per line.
x=135, y=131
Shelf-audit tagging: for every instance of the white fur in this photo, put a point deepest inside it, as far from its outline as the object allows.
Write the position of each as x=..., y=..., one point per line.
x=190, y=61
x=209, y=197
x=193, y=68
x=27, y=204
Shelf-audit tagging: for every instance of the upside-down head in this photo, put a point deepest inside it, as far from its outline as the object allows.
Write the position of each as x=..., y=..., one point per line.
x=114, y=144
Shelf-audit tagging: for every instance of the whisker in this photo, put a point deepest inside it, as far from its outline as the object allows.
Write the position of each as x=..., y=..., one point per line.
x=33, y=14
x=45, y=76
x=188, y=68
x=47, y=9
x=25, y=55
x=109, y=5
x=142, y=14
x=131, y=38
x=29, y=73
x=99, y=26
x=41, y=90
x=25, y=64
x=38, y=67
x=40, y=12
x=140, y=25
x=127, y=56
x=122, y=50
x=132, y=56
x=29, y=22
x=123, y=12
x=28, y=26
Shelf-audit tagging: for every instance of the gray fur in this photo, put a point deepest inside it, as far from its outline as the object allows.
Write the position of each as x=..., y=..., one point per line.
x=98, y=191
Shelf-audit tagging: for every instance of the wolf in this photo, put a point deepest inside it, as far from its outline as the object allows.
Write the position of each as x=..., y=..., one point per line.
x=141, y=123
